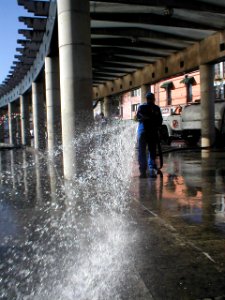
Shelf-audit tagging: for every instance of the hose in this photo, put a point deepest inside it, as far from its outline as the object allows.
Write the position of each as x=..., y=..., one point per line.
x=193, y=148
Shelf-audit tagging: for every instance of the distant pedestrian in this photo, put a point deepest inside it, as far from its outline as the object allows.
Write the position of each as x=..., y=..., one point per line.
x=101, y=119
x=150, y=120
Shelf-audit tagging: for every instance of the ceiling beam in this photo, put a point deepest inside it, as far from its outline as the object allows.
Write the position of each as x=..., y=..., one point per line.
x=117, y=64
x=105, y=77
x=34, y=35
x=128, y=42
x=153, y=19
x=133, y=60
x=191, y=4
x=105, y=70
x=109, y=52
x=110, y=70
x=34, y=23
x=140, y=32
x=31, y=45
x=39, y=8
x=27, y=52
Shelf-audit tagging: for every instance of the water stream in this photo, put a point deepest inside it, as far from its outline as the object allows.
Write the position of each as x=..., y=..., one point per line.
x=73, y=237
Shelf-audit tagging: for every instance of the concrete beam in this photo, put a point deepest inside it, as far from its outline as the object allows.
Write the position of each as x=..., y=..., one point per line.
x=29, y=44
x=193, y=5
x=153, y=19
x=34, y=35
x=39, y=8
x=27, y=52
x=35, y=23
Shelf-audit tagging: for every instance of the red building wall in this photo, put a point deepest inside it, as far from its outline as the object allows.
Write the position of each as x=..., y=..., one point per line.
x=127, y=103
x=179, y=94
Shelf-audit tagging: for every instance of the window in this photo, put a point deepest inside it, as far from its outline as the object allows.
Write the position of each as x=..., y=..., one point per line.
x=135, y=93
x=168, y=86
x=169, y=96
x=217, y=71
x=189, y=82
x=134, y=107
x=189, y=92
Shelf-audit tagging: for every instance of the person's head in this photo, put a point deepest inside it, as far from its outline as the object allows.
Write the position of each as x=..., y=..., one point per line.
x=150, y=97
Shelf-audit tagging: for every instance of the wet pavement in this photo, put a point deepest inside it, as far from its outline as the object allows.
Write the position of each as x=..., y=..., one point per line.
x=183, y=227
x=167, y=242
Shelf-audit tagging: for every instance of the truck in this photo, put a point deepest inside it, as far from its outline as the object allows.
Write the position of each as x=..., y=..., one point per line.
x=171, y=127
x=186, y=123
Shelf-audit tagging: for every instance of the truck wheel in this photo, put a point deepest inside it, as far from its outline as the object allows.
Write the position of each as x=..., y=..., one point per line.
x=164, y=135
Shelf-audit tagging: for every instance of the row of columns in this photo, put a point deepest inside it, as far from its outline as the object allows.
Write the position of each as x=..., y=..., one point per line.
x=73, y=85
x=51, y=95
x=69, y=78
x=207, y=105
x=45, y=122
x=25, y=120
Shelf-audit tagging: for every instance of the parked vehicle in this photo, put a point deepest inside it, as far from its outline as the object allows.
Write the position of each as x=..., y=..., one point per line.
x=171, y=127
x=187, y=123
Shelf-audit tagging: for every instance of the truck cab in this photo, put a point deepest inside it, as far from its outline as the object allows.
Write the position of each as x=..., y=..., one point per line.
x=185, y=122
x=191, y=121
x=171, y=126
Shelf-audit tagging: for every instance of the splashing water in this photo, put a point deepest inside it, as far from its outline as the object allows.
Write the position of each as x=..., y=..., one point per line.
x=77, y=246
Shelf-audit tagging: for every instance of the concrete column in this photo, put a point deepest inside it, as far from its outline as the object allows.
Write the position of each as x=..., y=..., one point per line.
x=75, y=77
x=38, y=115
x=2, y=128
x=53, y=107
x=107, y=107
x=207, y=105
x=25, y=120
x=12, y=123
x=18, y=124
x=144, y=89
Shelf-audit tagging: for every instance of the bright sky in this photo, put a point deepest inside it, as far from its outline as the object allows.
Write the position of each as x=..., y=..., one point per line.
x=9, y=25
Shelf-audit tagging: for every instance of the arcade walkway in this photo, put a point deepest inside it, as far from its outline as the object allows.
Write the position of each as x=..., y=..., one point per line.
x=166, y=243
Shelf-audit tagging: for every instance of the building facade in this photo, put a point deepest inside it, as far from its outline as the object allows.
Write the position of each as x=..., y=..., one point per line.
x=179, y=90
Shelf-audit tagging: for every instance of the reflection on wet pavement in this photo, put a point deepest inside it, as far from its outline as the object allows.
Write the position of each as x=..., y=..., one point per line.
x=189, y=202
x=172, y=231
x=191, y=189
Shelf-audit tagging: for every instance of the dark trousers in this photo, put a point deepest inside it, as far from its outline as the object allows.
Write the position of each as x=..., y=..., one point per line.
x=146, y=141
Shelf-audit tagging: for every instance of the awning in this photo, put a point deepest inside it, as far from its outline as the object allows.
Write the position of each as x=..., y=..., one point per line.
x=188, y=80
x=168, y=85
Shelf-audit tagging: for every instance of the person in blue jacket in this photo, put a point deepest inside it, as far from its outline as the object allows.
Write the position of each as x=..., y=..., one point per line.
x=150, y=119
